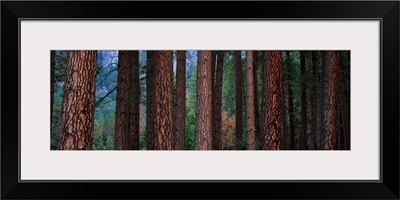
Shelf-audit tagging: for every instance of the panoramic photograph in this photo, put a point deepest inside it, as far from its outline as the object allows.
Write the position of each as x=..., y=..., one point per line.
x=144, y=100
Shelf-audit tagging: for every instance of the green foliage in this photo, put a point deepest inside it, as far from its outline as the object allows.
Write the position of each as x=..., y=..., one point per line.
x=190, y=128
x=109, y=143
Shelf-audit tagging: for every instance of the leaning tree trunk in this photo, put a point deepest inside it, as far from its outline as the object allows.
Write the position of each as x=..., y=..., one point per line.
x=150, y=137
x=330, y=98
x=77, y=115
x=303, y=102
x=313, y=100
x=180, y=102
x=272, y=110
x=217, y=122
x=290, y=104
x=52, y=82
x=250, y=122
x=163, y=100
x=239, y=99
x=203, y=140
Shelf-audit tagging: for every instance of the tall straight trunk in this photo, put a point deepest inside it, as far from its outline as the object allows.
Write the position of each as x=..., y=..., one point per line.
x=150, y=136
x=303, y=102
x=217, y=122
x=261, y=135
x=126, y=135
x=344, y=111
x=239, y=99
x=163, y=100
x=213, y=111
x=284, y=135
x=134, y=115
x=291, y=141
x=313, y=100
x=330, y=98
x=250, y=122
x=272, y=110
x=77, y=115
x=52, y=82
x=203, y=140
x=180, y=103
x=322, y=132
x=255, y=93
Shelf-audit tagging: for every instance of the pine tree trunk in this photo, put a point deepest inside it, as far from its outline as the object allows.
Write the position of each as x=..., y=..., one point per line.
x=213, y=94
x=134, y=96
x=150, y=136
x=217, y=134
x=163, y=100
x=313, y=100
x=203, y=140
x=290, y=104
x=250, y=122
x=330, y=98
x=180, y=103
x=322, y=115
x=52, y=82
x=255, y=93
x=303, y=101
x=239, y=99
x=126, y=135
x=284, y=135
x=344, y=111
x=272, y=110
x=77, y=115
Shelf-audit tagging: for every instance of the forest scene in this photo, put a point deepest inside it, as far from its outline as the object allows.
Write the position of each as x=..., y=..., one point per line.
x=199, y=100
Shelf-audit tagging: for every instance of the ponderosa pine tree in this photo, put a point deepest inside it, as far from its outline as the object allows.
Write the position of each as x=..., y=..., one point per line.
x=52, y=82
x=126, y=135
x=303, y=103
x=180, y=100
x=291, y=141
x=239, y=99
x=343, y=108
x=255, y=93
x=213, y=65
x=150, y=136
x=272, y=93
x=163, y=100
x=217, y=122
x=250, y=122
x=313, y=100
x=330, y=98
x=203, y=135
x=134, y=98
x=77, y=115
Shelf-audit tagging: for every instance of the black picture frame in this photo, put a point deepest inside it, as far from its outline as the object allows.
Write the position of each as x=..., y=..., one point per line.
x=386, y=11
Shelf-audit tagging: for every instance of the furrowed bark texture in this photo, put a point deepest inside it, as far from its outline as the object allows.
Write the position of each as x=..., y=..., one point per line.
x=77, y=115
x=250, y=122
x=217, y=122
x=203, y=140
x=272, y=110
x=330, y=98
x=163, y=100
x=180, y=103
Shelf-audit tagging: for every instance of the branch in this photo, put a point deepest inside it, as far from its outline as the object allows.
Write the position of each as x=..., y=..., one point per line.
x=102, y=98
